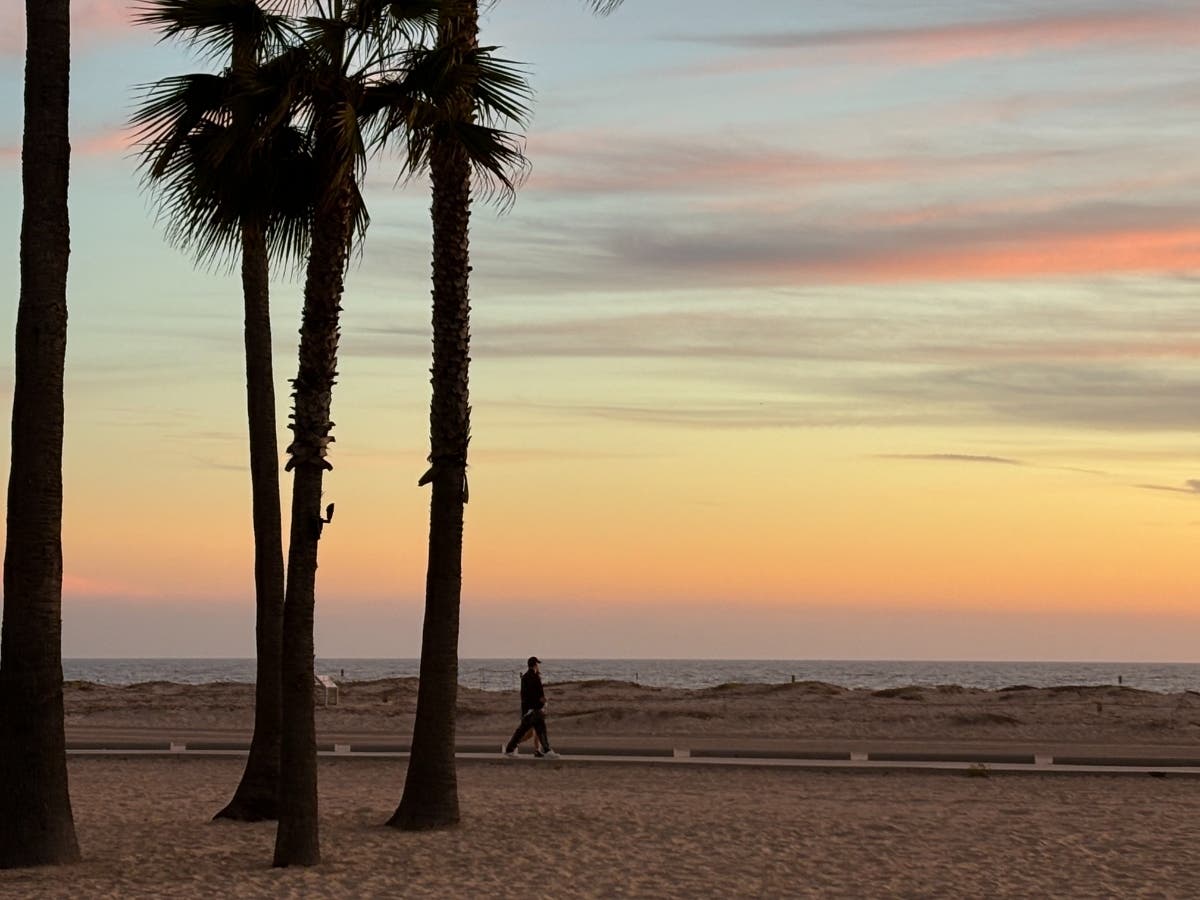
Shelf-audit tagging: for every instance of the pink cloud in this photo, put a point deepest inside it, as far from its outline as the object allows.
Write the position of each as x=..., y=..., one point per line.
x=110, y=142
x=941, y=45
x=1071, y=241
x=594, y=162
x=671, y=169
x=944, y=44
x=591, y=163
x=87, y=587
x=115, y=142
x=92, y=21
x=1036, y=200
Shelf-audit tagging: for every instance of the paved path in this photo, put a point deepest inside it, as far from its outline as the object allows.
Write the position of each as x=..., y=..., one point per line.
x=958, y=760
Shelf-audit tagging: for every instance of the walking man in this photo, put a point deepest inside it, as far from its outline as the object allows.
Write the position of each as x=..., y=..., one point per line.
x=533, y=712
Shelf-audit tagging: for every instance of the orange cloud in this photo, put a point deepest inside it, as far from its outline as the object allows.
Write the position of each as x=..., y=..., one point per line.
x=86, y=587
x=1151, y=250
x=1082, y=239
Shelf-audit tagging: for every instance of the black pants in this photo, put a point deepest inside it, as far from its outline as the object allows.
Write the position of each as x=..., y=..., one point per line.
x=536, y=720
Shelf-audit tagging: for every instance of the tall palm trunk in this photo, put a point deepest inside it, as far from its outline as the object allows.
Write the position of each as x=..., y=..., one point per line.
x=430, y=798
x=36, y=825
x=297, y=839
x=257, y=794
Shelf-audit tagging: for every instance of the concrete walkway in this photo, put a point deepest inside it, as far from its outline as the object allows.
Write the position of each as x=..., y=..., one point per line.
x=971, y=762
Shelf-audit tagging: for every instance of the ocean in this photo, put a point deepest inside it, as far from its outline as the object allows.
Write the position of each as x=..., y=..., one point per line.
x=504, y=674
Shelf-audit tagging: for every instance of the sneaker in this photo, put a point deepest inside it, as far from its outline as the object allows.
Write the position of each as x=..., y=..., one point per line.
x=538, y=754
x=515, y=751
x=550, y=754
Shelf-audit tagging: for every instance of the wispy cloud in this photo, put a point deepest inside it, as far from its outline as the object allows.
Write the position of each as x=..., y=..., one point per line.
x=1065, y=395
x=973, y=332
x=764, y=414
x=949, y=42
x=954, y=458
x=1061, y=398
x=1190, y=487
x=78, y=587
x=587, y=163
x=1076, y=240
x=90, y=144
x=92, y=21
x=107, y=142
x=593, y=163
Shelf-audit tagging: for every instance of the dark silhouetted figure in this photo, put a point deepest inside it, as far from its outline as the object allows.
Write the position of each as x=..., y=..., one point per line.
x=533, y=713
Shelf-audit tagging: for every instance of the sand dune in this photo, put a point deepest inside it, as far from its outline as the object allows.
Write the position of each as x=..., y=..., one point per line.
x=806, y=712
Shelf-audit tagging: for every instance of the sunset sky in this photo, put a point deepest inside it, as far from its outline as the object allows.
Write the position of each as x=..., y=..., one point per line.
x=820, y=330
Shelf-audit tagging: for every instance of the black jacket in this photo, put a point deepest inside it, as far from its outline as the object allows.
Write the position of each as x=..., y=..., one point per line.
x=532, y=695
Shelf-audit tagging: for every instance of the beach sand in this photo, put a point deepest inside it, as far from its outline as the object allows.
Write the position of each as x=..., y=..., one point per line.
x=538, y=829
x=535, y=828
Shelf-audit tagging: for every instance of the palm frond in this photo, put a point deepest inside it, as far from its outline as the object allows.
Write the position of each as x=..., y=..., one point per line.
x=217, y=150
x=171, y=109
x=326, y=38
x=494, y=89
x=497, y=159
x=501, y=87
x=216, y=27
x=407, y=21
x=498, y=162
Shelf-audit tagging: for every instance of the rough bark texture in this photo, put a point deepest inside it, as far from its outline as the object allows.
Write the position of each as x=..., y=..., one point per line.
x=297, y=839
x=36, y=825
x=257, y=794
x=430, y=798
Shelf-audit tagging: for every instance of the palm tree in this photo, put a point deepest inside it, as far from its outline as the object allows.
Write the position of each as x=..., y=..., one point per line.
x=336, y=76
x=336, y=166
x=361, y=78
x=230, y=180
x=430, y=798
x=36, y=824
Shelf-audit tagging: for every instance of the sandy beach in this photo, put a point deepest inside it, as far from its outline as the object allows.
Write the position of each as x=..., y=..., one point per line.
x=557, y=829
x=642, y=830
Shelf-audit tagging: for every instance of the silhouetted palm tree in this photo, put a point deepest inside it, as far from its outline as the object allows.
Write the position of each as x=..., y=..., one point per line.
x=317, y=77
x=36, y=825
x=230, y=176
x=342, y=75
x=430, y=798
x=360, y=76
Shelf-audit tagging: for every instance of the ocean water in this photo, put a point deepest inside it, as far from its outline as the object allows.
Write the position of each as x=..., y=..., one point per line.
x=504, y=674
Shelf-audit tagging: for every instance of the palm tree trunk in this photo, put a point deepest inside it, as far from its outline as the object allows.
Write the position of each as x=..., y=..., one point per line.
x=257, y=794
x=36, y=825
x=430, y=798
x=297, y=840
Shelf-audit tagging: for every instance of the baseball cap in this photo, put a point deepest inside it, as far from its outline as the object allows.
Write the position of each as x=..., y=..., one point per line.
x=533, y=661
